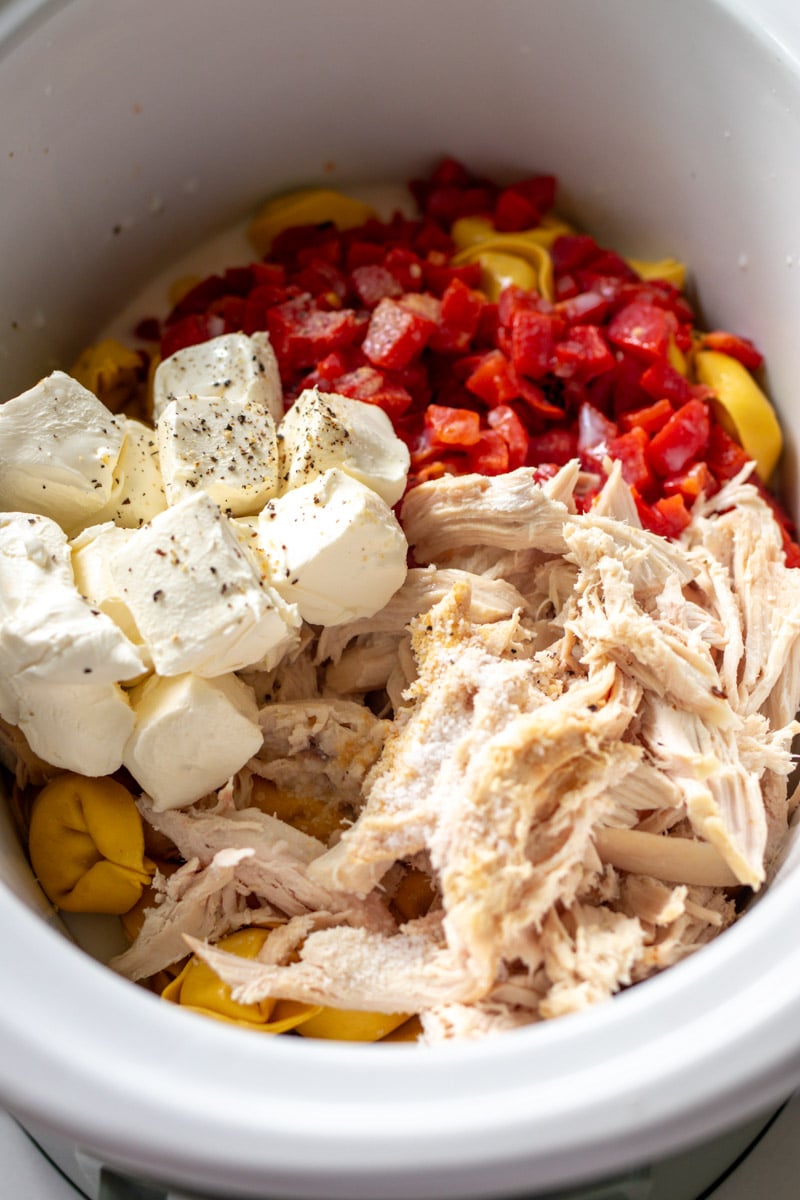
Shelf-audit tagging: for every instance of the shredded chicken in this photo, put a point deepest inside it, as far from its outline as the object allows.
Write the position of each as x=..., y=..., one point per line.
x=578, y=774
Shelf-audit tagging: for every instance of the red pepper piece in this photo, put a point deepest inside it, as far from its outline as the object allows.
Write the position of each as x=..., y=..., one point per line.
x=396, y=335
x=536, y=400
x=667, y=516
x=737, y=347
x=406, y=266
x=369, y=385
x=684, y=438
x=302, y=239
x=571, y=251
x=533, y=341
x=372, y=283
x=513, y=212
x=725, y=457
x=630, y=449
x=363, y=254
x=321, y=278
x=555, y=446
x=198, y=298
x=540, y=190
x=301, y=334
x=513, y=298
x=650, y=419
x=691, y=484
x=493, y=379
x=661, y=380
x=452, y=426
x=587, y=308
x=504, y=420
x=607, y=264
x=232, y=311
x=583, y=355
x=566, y=287
x=489, y=455
x=189, y=331
x=438, y=276
x=460, y=316
x=642, y=329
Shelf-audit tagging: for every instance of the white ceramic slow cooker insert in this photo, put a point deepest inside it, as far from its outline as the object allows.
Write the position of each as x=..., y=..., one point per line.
x=132, y=131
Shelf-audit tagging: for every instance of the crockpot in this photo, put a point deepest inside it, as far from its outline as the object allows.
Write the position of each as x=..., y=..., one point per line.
x=134, y=130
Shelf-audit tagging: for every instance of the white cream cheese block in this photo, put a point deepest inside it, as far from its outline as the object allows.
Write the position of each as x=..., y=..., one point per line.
x=323, y=430
x=138, y=491
x=58, y=449
x=79, y=727
x=197, y=596
x=333, y=548
x=48, y=630
x=190, y=736
x=234, y=365
x=228, y=450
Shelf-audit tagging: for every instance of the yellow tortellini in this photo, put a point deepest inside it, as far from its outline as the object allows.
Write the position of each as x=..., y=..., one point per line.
x=742, y=408
x=86, y=844
x=198, y=988
x=110, y=370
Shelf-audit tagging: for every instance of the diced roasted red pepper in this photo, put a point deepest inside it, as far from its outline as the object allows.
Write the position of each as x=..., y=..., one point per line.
x=556, y=446
x=734, y=346
x=587, y=308
x=189, y=332
x=369, y=385
x=667, y=516
x=540, y=190
x=459, y=318
x=452, y=426
x=583, y=354
x=572, y=251
x=396, y=335
x=650, y=419
x=439, y=276
x=683, y=439
x=533, y=341
x=662, y=381
x=630, y=449
x=301, y=334
x=513, y=212
x=407, y=268
x=691, y=484
x=489, y=455
x=724, y=456
x=373, y=283
x=642, y=329
x=504, y=420
x=493, y=379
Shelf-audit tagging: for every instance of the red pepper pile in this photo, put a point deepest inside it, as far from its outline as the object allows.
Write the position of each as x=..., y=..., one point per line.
x=379, y=314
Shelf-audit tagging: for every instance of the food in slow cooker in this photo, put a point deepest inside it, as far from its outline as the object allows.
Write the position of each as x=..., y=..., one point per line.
x=421, y=618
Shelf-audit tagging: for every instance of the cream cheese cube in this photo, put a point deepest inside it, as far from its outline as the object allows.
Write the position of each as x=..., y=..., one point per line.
x=235, y=366
x=48, y=630
x=197, y=596
x=190, y=736
x=92, y=552
x=228, y=450
x=79, y=727
x=58, y=449
x=323, y=430
x=333, y=548
x=138, y=491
